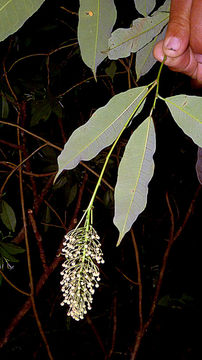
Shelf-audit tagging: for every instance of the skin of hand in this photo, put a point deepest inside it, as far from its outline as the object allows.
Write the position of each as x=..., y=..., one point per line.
x=183, y=40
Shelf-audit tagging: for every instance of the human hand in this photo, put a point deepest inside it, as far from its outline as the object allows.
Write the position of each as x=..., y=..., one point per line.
x=183, y=41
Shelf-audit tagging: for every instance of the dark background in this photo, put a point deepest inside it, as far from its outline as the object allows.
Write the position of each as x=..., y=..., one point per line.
x=173, y=332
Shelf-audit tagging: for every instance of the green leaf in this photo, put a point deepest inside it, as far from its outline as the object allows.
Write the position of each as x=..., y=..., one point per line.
x=144, y=57
x=72, y=194
x=41, y=110
x=6, y=255
x=108, y=199
x=111, y=70
x=13, y=14
x=47, y=218
x=7, y=216
x=4, y=107
x=135, y=171
x=96, y=20
x=145, y=7
x=101, y=129
x=12, y=249
x=124, y=41
x=187, y=113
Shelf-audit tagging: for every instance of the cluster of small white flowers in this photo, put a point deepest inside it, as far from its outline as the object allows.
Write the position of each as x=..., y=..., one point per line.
x=80, y=276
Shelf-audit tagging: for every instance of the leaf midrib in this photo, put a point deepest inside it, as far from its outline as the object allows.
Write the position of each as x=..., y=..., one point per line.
x=100, y=134
x=138, y=177
x=97, y=31
x=139, y=34
x=182, y=109
x=3, y=7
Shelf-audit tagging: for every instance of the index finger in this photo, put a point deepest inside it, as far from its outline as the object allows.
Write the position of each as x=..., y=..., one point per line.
x=178, y=31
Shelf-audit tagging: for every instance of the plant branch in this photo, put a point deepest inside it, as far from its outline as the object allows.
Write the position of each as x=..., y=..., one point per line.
x=18, y=166
x=56, y=214
x=97, y=335
x=114, y=332
x=172, y=238
x=139, y=279
x=14, y=286
x=44, y=277
x=38, y=239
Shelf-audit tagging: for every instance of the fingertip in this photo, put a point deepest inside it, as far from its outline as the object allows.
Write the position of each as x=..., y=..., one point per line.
x=172, y=44
x=176, y=40
x=158, y=51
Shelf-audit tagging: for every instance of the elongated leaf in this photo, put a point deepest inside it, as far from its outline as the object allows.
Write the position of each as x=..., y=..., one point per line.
x=145, y=7
x=4, y=108
x=124, y=41
x=101, y=130
x=199, y=165
x=144, y=57
x=187, y=112
x=13, y=14
x=11, y=248
x=163, y=8
x=7, y=215
x=96, y=20
x=7, y=255
x=135, y=171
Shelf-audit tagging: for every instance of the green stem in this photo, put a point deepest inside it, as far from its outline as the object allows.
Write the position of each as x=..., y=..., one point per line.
x=88, y=210
x=157, y=85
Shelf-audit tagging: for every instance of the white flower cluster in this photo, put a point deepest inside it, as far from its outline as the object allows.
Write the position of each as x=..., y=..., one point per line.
x=80, y=276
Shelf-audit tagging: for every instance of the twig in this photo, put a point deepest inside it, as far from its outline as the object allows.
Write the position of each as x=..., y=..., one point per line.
x=138, y=278
x=56, y=147
x=97, y=335
x=69, y=11
x=44, y=277
x=62, y=130
x=10, y=88
x=44, y=192
x=14, y=146
x=38, y=239
x=24, y=219
x=28, y=254
x=126, y=277
x=96, y=174
x=19, y=166
x=24, y=151
x=84, y=81
x=173, y=237
x=41, y=54
x=56, y=214
x=189, y=212
x=32, y=134
x=114, y=327
x=14, y=286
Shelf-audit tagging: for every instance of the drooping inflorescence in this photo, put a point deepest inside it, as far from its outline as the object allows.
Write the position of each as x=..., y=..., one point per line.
x=80, y=276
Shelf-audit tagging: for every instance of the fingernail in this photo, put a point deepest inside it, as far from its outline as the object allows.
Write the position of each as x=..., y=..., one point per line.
x=172, y=43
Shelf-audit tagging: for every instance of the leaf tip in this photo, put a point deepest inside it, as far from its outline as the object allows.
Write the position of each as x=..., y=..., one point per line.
x=94, y=74
x=119, y=240
x=56, y=177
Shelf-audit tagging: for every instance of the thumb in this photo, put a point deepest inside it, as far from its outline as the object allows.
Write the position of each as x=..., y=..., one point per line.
x=196, y=28
x=178, y=31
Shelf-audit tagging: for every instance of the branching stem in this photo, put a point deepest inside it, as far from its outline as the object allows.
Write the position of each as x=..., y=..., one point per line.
x=90, y=206
x=157, y=85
